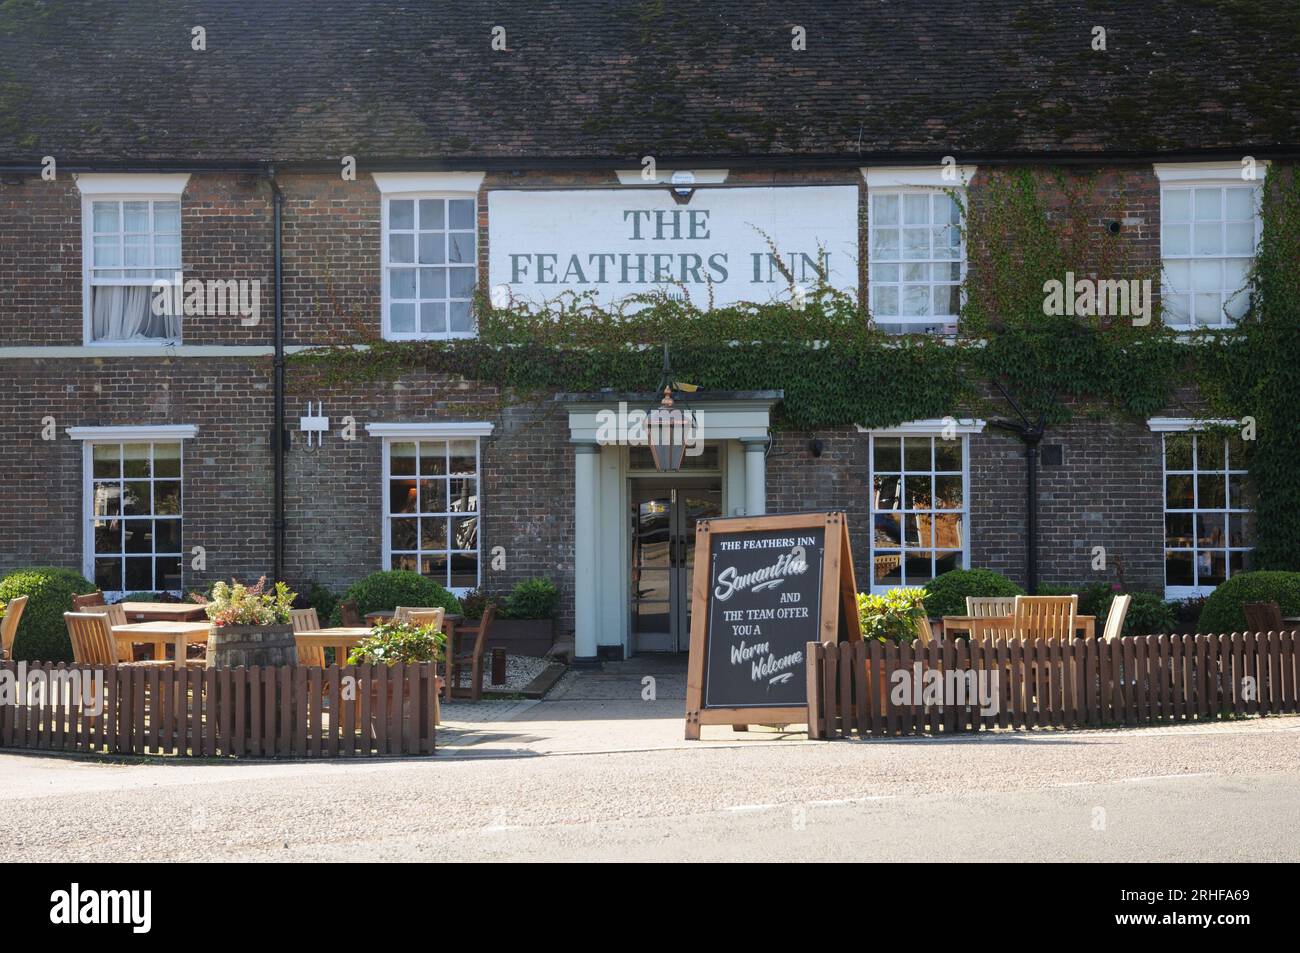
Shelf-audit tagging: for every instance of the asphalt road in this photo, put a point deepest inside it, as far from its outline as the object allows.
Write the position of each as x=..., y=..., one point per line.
x=1188, y=793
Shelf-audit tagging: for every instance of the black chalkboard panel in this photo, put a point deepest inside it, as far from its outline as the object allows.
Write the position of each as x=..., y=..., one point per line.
x=764, y=606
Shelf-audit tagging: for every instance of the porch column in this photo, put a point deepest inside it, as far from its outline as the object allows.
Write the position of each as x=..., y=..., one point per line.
x=586, y=553
x=755, y=475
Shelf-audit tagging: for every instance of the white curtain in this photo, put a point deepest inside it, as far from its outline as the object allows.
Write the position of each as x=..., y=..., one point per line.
x=124, y=313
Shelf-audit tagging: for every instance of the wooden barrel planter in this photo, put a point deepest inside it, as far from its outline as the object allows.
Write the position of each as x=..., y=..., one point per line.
x=230, y=646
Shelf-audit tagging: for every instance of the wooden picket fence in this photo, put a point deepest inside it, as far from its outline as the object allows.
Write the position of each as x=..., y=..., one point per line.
x=280, y=712
x=1137, y=680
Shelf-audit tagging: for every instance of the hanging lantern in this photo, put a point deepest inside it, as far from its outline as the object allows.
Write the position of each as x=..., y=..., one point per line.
x=666, y=434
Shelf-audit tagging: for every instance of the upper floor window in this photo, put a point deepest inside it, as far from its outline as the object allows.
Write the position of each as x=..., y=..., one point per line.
x=916, y=253
x=1209, y=228
x=132, y=237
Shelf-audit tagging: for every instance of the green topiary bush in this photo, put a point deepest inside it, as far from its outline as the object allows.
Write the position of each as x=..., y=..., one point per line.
x=946, y=594
x=399, y=587
x=1223, y=610
x=1148, y=614
x=532, y=599
x=42, y=634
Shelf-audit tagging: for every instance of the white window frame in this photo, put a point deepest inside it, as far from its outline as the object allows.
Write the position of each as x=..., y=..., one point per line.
x=938, y=428
x=1182, y=425
x=1218, y=175
x=415, y=186
x=89, y=437
x=391, y=433
x=122, y=187
x=927, y=180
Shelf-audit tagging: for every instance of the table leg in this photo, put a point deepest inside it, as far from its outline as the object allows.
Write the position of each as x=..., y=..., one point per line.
x=449, y=650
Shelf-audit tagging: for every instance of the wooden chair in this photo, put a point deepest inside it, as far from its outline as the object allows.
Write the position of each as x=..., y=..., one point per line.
x=924, y=634
x=9, y=626
x=433, y=617
x=1115, y=618
x=350, y=615
x=1263, y=617
x=306, y=620
x=473, y=659
x=401, y=612
x=92, y=639
x=88, y=601
x=982, y=607
x=1045, y=617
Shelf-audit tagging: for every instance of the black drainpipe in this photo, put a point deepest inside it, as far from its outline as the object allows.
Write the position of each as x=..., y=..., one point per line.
x=278, y=430
x=1031, y=435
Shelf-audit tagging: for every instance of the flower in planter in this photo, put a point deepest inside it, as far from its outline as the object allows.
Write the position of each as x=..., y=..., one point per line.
x=236, y=604
x=393, y=642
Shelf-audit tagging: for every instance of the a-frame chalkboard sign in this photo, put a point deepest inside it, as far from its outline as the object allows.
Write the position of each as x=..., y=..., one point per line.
x=764, y=587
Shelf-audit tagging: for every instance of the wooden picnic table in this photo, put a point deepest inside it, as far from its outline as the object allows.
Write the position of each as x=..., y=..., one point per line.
x=160, y=633
x=165, y=611
x=340, y=638
x=963, y=623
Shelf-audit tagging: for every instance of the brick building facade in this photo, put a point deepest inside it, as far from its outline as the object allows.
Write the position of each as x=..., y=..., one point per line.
x=62, y=392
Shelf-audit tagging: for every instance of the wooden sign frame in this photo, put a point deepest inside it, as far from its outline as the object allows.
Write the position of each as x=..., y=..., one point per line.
x=839, y=611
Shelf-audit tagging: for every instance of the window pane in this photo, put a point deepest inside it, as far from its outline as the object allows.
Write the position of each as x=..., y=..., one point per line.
x=433, y=532
x=460, y=248
x=1208, y=205
x=167, y=459
x=433, y=317
x=402, y=496
x=433, y=249
x=401, y=459
x=1178, y=451
x=917, y=491
x=1178, y=568
x=1178, y=492
x=433, y=283
x=136, y=499
x=884, y=210
x=167, y=216
x=916, y=454
x=401, y=248
x=464, y=495
x=463, y=459
x=135, y=217
x=460, y=213
x=947, y=492
x=1177, y=239
x=462, y=317
x=433, y=496
x=1178, y=530
x=402, y=282
x=108, y=499
x=105, y=216
x=167, y=536
x=462, y=282
x=1210, y=491
x=431, y=214
x=167, y=572
x=137, y=536
x=947, y=455
x=402, y=533
x=106, y=460
x=108, y=574
x=1176, y=205
x=401, y=213
x=887, y=569
x=1211, y=567
x=402, y=318
x=464, y=532
x=139, y=574
x=135, y=460
x=947, y=562
x=167, y=497
x=433, y=457
x=1210, y=529
x=464, y=569
x=108, y=536
x=1209, y=452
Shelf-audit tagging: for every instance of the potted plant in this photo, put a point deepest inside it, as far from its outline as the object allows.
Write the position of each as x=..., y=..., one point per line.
x=394, y=643
x=250, y=626
x=525, y=620
x=892, y=617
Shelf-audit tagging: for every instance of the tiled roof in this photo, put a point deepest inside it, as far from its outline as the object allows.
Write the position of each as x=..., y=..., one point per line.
x=302, y=80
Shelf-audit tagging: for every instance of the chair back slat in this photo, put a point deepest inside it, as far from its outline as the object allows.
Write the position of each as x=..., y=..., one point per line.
x=92, y=641
x=1263, y=616
x=311, y=655
x=88, y=601
x=401, y=613
x=304, y=620
x=982, y=607
x=1115, y=617
x=485, y=625
x=9, y=625
x=350, y=614
x=924, y=633
x=433, y=617
x=1046, y=617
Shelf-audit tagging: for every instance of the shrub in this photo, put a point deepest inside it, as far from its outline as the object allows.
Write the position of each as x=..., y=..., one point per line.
x=394, y=642
x=532, y=599
x=318, y=597
x=236, y=604
x=892, y=617
x=148, y=597
x=473, y=603
x=399, y=587
x=42, y=634
x=1148, y=614
x=1223, y=610
x=946, y=594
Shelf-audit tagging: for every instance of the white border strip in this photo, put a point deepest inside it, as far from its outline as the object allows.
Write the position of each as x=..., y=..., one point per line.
x=930, y=427
x=478, y=428
x=159, y=432
x=1209, y=172
x=108, y=183
x=920, y=176
x=1179, y=424
x=391, y=183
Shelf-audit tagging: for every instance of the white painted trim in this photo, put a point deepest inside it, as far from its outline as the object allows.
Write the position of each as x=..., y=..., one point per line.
x=99, y=351
x=394, y=183
x=385, y=296
x=160, y=432
x=1181, y=424
x=432, y=431
x=664, y=176
x=1221, y=172
x=101, y=184
x=920, y=176
x=928, y=428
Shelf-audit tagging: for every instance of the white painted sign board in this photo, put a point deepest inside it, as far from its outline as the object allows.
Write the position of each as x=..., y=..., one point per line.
x=621, y=242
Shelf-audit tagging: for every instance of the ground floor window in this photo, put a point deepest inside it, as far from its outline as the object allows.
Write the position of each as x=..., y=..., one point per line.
x=918, y=507
x=1209, y=523
x=431, y=509
x=134, y=515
